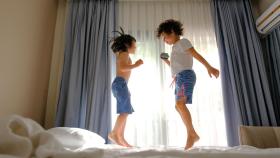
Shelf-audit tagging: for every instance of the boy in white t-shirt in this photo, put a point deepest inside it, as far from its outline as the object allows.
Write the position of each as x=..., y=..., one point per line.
x=181, y=62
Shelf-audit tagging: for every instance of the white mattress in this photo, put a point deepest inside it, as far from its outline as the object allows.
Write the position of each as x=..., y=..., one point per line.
x=24, y=138
x=108, y=151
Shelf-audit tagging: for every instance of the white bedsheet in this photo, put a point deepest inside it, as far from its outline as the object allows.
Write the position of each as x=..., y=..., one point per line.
x=23, y=138
x=197, y=152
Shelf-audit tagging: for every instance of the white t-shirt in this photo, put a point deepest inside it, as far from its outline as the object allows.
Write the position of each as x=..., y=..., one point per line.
x=180, y=58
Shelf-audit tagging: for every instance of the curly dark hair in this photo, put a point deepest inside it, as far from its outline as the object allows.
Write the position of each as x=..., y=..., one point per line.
x=169, y=26
x=122, y=42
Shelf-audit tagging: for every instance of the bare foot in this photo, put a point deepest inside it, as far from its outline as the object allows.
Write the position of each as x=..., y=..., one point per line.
x=127, y=145
x=191, y=140
x=114, y=138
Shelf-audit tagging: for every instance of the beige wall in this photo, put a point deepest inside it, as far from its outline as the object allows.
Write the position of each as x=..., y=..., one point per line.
x=26, y=40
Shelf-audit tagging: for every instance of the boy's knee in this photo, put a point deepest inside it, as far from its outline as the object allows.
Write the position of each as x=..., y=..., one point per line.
x=180, y=104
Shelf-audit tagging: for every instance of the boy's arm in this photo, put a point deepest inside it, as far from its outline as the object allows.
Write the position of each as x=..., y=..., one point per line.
x=124, y=62
x=211, y=70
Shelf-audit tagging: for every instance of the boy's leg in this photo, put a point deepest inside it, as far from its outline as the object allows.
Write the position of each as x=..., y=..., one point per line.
x=122, y=133
x=186, y=117
x=116, y=135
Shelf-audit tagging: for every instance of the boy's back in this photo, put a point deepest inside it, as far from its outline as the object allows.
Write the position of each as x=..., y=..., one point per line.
x=123, y=59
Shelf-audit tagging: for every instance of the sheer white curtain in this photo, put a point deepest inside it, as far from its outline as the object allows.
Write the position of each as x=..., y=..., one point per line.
x=155, y=121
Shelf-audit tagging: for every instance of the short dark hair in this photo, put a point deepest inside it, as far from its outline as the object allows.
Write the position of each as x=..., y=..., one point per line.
x=169, y=26
x=122, y=42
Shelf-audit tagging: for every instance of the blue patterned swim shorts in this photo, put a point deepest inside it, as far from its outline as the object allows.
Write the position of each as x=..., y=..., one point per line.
x=185, y=82
x=122, y=94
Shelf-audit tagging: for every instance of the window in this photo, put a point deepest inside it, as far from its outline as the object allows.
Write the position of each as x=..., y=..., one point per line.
x=155, y=121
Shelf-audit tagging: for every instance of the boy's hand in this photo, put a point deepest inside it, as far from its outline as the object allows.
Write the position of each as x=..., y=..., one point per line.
x=166, y=61
x=213, y=71
x=139, y=62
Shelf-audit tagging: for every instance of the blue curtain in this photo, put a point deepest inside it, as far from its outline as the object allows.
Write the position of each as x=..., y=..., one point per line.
x=272, y=62
x=246, y=92
x=85, y=92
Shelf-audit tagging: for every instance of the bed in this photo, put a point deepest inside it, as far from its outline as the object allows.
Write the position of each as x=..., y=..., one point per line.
x=24, y=138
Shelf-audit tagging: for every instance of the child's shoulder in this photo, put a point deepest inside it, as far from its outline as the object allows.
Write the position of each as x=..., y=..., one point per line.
x=123, y=55
x=184, y=44
x=184, y=40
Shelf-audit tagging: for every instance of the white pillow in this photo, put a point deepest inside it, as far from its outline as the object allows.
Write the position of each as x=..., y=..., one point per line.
x=76, y=138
